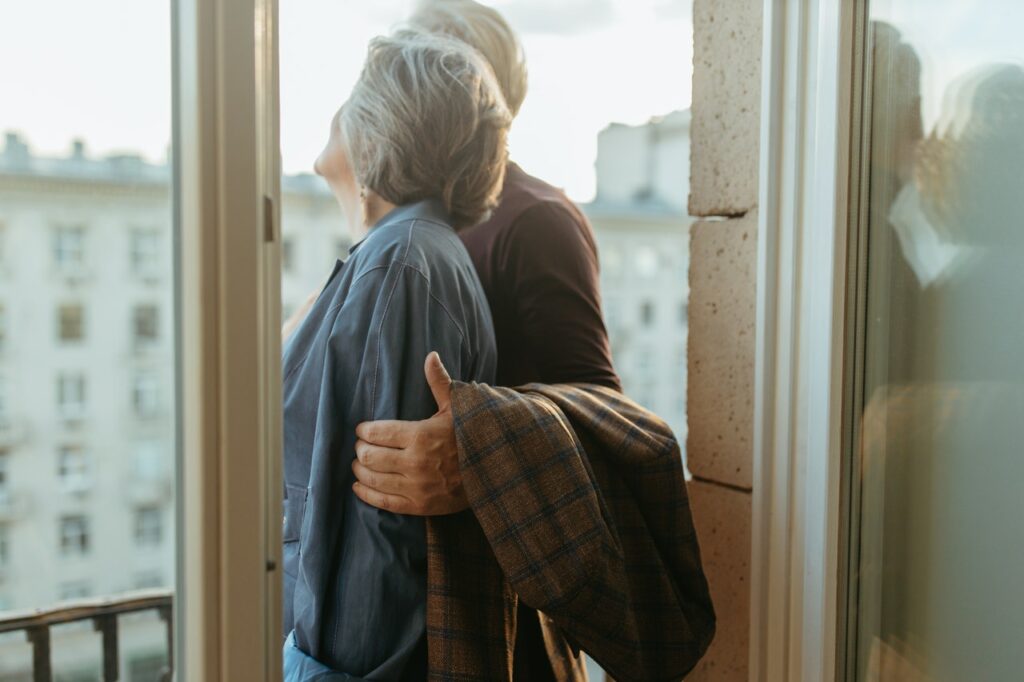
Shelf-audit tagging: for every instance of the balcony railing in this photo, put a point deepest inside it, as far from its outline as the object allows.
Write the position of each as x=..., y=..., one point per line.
x=104, y=615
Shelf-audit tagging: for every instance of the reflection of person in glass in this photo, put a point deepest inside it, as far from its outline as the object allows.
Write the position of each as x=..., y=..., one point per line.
x=410, y=166
x=939, y=559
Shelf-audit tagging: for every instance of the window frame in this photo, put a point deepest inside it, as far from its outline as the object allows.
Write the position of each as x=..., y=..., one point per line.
x=148, y=526
x=810, y=57
x=82, y=538
x=74, y=468
x=66, y=323
x=67, y=259
x=227, y=320
x=145, y=324
x=76, y=384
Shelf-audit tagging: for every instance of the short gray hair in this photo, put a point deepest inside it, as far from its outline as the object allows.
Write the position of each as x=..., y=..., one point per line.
x=427, y=120
x=484, y=29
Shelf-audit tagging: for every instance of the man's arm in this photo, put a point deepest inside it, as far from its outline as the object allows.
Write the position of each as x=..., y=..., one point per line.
x=414, y=465
x=551, y=265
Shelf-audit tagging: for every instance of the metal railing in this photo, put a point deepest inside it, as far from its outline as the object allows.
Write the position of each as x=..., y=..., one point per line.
x=104, y=615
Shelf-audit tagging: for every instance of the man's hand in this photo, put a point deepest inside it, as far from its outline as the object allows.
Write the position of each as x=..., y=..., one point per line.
x=412, y=467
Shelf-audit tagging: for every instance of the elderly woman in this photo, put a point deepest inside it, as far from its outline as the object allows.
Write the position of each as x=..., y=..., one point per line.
x=416, y=154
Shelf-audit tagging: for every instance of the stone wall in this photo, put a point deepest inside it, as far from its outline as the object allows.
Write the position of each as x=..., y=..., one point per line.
x=723, y=246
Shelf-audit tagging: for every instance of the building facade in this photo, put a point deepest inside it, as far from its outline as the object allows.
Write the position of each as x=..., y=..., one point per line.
x=87, y=388
x=87, y=358
x=639, y=218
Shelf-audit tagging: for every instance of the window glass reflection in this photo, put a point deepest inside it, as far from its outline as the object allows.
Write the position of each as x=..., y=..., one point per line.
x=941, y=546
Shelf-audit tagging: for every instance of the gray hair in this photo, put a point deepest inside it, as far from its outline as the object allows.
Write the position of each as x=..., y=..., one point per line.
x=484, y=29
x=427, y=120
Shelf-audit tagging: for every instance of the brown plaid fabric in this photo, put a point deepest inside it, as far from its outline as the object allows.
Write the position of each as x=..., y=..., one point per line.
x=579, y=509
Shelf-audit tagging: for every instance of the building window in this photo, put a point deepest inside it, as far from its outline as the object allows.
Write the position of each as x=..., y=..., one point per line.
x=3, y=325
x=5, y=459
x=5, y=544
x=73, y=468
x=288, y=254
x=146, y=324
x=71, y=395
x=74, y=535
x=78, y=589
x=4, y=416
x=70, y=323
x=69, y=248
x=145, y=252
x=146, y=395
x=149, y=528
x=647, y=313
x=684, y=313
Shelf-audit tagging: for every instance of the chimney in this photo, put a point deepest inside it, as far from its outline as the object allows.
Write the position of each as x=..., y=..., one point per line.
x=15, y=150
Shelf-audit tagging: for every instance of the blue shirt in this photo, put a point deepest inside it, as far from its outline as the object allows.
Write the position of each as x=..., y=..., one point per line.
x=355, y=576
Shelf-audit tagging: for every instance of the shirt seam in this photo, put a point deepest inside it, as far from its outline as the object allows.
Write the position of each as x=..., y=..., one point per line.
x=380, y=329
x=336, y=306
x=433, y=296
x=384, y=316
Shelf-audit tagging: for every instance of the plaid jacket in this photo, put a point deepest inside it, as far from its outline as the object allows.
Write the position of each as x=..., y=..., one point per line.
x=579, y=509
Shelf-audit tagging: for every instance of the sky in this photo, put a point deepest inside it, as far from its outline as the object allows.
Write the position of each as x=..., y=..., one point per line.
x=100, y=70
x=102, y=73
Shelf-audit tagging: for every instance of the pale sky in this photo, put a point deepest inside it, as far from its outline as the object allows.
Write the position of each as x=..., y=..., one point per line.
x=100, y=70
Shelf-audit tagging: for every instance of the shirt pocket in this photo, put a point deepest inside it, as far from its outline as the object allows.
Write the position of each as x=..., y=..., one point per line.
x=294, y=511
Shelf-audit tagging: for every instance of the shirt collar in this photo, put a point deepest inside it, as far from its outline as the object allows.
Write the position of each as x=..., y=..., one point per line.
x=431, y=210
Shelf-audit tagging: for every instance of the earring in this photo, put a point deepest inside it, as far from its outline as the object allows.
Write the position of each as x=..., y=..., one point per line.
x=364, y=205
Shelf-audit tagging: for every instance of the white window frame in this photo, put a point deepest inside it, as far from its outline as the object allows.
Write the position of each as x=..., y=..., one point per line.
x=5, y=475
x=74, y=469
x=148, y=527
x=145, y=252
x=807, y=97
x=5, y=549
x=227, y=198
x=79, y=543
x=72, y=383
x=69, y=247
x=70, y=307
x=137, y=317
x=5, y=404
x=146, y=395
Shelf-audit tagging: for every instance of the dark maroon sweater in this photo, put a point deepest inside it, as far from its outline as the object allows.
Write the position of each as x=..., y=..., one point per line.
x=537, y=259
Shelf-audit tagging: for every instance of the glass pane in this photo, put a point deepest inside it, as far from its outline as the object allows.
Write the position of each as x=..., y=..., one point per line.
x=618, y=123
x=941, y=545
x=87, y=345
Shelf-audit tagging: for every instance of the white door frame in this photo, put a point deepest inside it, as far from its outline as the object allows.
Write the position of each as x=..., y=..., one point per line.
x=227, y=179
x=807, y=95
